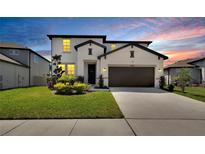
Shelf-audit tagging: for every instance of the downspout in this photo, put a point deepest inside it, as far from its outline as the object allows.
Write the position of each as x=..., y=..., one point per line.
x=51, y=66
x=29, y=68
x=168, y=75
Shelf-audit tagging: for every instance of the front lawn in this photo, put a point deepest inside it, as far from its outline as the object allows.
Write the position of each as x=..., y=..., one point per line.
x=197, y=93
x=39, y=102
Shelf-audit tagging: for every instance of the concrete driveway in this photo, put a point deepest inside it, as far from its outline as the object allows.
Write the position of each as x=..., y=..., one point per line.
x=151, y=111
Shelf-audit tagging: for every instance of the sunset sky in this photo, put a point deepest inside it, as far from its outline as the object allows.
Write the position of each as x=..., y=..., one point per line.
x=178, y=38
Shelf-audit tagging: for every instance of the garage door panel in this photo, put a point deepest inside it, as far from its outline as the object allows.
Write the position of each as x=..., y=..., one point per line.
x=131, y=76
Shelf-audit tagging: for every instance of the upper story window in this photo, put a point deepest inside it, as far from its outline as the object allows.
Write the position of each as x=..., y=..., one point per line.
x=66, y=45
x=132, y=54
x=35, y=59
x=14, y=52
x=90, y=51
x=113, y=46
x=71, y=69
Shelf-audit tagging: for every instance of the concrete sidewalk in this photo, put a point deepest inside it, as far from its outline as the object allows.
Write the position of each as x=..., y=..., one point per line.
x=102, y=127
x=61, y=127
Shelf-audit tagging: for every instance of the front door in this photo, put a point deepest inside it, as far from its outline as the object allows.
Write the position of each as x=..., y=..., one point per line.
x=91, y=73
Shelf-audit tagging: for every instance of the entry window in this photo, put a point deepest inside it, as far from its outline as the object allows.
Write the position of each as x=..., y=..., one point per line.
x=62, y=66
x=113, y=46
x=90, y=51
x=71, y=69
x=66, y=45
x=132, y=55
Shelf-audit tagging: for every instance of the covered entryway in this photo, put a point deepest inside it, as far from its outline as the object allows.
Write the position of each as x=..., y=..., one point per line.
x=131, y=76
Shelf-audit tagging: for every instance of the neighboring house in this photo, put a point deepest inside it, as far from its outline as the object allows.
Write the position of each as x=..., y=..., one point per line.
x=121, y=63
x=172, y=70
x=200, y=62
x=21, y=66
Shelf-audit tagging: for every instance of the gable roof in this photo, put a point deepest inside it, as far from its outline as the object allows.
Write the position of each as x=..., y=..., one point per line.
x=96, y=36
x=77, y=36
x=11, y=45
x=137, y=42
x=181, y=64
x=7, y=59
x=89, y=42
x=137, y=45
x=197, y=60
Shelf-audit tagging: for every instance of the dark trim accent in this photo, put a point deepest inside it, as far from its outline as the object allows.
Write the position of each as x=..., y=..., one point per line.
x=180, y=67
x=96, y=36
x=90, y=51
x=109, y=52
x=22, y=64
x=13, y=63
x=77, y=36
x=196, y=60
x=132, y=54
x=89, y=42
x=137, y=45
x=115, y=41
x=28, y=50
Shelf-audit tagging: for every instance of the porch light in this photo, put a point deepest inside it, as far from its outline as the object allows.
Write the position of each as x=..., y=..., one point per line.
x=104, y=69
x=160, y=70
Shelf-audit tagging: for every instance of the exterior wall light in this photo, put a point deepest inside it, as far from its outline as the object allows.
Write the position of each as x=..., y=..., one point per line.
x=104, y=69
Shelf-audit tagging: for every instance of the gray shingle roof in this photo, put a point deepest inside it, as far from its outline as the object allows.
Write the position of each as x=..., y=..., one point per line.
x=11, y=45
x=181, y=63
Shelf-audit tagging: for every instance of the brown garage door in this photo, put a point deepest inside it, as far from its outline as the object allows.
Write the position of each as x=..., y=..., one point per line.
x=131, y=76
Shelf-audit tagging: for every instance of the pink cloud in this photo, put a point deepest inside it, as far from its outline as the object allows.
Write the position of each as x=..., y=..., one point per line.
x=176, y=34
x=181, y=55
x=127, y=25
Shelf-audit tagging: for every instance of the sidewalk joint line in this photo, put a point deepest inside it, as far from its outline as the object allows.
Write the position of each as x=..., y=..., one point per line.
x=14, y=128
x=73, y=128
x=130, y=127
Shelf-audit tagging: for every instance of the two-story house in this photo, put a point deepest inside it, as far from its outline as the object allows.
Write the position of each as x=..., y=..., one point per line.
x=121, y=63
x=21, y=66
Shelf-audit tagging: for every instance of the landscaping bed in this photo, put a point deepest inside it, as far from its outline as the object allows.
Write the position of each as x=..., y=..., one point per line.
x=41, y=103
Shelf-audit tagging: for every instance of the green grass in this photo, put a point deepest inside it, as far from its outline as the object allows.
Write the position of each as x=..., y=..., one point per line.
x=39, y=102
x=197, y=93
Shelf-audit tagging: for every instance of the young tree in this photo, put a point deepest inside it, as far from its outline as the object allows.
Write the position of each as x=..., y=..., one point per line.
x=57, y=72
x=182, y=78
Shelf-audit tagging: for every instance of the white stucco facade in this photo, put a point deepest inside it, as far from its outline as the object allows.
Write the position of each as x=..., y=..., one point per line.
x=142, y=58
x=81, y=59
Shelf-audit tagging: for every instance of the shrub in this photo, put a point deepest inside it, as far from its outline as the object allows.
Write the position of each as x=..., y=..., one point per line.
x=101, y=81
x=62, y=88
x=66, y=79
x=162, y=82
x=68, y=89
x=79, y=79
x=79, y=87
x=171, y=87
